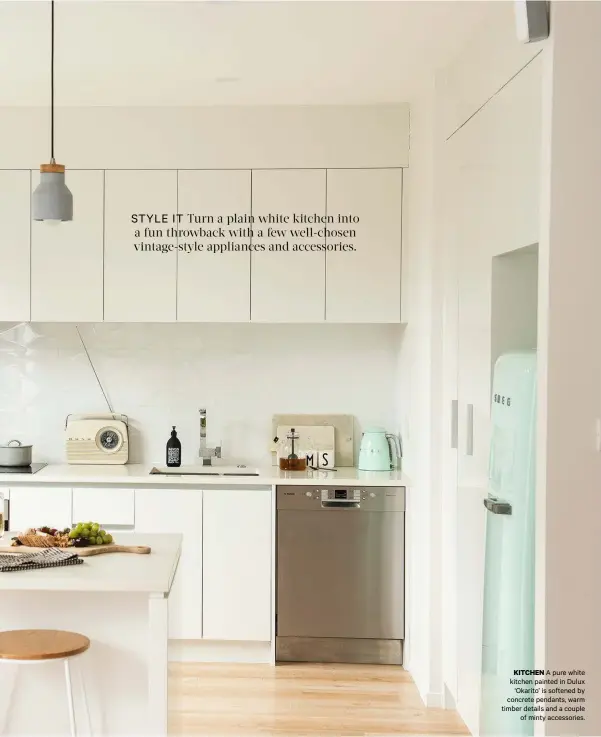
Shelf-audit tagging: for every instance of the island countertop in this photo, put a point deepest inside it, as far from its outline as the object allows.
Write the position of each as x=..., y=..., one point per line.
x=138, y=474
x=108, y=573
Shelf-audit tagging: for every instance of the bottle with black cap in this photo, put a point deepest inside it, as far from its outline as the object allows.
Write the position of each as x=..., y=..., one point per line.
x=174, y=450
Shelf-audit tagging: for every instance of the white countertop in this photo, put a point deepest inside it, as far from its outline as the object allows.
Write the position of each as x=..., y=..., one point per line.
x=112, y=572
x=139, y=474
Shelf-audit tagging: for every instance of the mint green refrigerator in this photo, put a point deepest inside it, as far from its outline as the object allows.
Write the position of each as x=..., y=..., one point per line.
x=508, y=616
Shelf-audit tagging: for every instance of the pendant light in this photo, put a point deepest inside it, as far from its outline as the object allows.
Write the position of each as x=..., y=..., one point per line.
x=52, y=199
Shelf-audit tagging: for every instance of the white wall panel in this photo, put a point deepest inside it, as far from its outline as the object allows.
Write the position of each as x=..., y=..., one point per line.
x=244, y=137
x=486, y=63
x=160, y=374
x=569, y=470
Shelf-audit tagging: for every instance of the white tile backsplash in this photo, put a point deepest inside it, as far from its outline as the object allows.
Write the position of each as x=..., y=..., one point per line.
x=160, y=374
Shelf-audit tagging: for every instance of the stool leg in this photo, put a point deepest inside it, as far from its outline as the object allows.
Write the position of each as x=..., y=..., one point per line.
x=84, y=695
x=11, y=693
x=70, y=698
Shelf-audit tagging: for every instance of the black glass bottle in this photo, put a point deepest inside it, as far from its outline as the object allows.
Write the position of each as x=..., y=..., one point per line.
x=174, y=450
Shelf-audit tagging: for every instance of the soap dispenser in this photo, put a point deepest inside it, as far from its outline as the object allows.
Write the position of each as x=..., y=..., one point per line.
x=174, y=450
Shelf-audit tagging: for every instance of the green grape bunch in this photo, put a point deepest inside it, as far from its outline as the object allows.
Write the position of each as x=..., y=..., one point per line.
x=89, y=533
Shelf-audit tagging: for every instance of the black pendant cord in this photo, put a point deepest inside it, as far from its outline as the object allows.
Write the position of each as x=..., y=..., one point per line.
x=52, y=81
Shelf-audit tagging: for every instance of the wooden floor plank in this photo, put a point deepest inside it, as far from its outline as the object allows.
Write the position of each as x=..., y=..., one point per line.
x=301, y=700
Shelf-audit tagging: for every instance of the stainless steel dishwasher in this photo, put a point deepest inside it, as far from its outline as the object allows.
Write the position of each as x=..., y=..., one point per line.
x=340, y=574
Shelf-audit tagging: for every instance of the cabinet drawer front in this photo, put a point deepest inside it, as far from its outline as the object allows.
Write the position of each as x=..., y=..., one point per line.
x=36, y=507
x=108, y=507
x=236, y=569
x=177, y=510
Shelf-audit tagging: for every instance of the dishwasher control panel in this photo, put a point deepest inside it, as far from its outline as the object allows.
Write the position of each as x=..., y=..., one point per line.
x=341, y=495
x=375, y=498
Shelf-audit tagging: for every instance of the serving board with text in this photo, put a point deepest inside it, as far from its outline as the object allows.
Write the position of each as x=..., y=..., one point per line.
x=316, y=442
x=82, y=552
x=343, y=426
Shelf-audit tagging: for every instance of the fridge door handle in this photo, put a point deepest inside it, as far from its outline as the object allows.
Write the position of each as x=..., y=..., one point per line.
x=469, y=439
x=497, y=507
x=454, y=424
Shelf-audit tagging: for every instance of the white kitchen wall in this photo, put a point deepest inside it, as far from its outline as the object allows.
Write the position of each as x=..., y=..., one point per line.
x=417, y=367
x=159, y=375
x=487, y=61
x=569, y=460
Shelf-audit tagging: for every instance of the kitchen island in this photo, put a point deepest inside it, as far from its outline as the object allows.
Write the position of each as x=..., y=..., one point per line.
x=119, y=601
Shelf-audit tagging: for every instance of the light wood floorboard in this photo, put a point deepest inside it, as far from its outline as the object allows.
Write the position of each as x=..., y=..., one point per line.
x=218, y=700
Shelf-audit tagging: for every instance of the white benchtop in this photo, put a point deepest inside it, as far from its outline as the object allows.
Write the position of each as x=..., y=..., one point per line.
x=137, y=474
x=108, y=573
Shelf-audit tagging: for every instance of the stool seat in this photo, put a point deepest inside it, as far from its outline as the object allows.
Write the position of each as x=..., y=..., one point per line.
x=41, y=644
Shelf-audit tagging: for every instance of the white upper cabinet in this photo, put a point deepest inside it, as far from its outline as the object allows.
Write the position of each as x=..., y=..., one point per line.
x=214, y=286
x=364, y=284
x=14, y=245
x=139, y=283
x=66, y=258
x=511, y=127
x=287, y=286
x=229, y=245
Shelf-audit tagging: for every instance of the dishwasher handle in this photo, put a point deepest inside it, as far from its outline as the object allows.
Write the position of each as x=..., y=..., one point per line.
x=340, y=505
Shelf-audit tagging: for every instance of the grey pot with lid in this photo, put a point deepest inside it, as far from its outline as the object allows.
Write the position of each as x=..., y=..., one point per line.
x=15, y=454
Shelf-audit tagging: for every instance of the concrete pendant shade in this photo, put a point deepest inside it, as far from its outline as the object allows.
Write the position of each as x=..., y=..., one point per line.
x=52, y=199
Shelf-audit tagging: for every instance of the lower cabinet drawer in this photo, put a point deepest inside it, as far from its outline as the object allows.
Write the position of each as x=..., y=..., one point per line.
x=109, y=507
x=38, y=507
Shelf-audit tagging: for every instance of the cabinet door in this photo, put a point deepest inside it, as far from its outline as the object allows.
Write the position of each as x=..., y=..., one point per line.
x=177, y=511
x=497, y=210
x=15, y=217
x=139, y=278
x=34, y=507
x=499, y=184
x=109, y=507
x=237, y=564
x=448, y=239
x=67, y=259
x=287, y=286
x=214, y=286
x=364, y=284
x=475, y=180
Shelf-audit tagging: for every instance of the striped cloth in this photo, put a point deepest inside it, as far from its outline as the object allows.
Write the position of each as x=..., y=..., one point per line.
x=45, y=558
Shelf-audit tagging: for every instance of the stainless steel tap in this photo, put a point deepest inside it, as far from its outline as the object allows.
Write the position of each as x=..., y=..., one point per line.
x=206, y=454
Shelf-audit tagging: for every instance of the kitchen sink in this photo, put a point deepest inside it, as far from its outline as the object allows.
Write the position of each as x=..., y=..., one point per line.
x=204, y=471
x=239, y=473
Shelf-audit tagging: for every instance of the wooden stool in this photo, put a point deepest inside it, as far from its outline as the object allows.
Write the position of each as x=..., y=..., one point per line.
x=29, y=647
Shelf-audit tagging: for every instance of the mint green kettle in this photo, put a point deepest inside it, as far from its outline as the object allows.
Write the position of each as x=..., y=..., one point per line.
x=376, y=452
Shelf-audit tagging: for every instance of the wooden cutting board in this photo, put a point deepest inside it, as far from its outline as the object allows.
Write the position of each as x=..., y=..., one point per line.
x=83, y=552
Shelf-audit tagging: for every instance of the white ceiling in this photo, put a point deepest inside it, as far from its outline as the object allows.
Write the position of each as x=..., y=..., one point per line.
x=171, y=52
